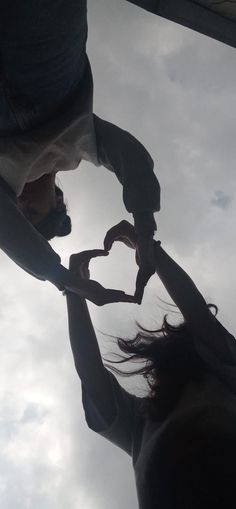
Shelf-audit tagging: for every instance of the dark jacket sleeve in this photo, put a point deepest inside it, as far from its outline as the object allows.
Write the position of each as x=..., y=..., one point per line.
x=121, y=153
x=23, y=244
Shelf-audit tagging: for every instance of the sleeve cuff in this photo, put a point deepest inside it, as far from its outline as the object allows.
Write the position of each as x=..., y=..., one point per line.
x=58, y=277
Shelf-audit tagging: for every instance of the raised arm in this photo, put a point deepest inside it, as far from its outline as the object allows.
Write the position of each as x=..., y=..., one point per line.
x=185, y=295
x=125, y=156
x=192, y=305
x=25, y=246
x=86, y=352
x=181, y=288
x=109, y=409
x=87, y=357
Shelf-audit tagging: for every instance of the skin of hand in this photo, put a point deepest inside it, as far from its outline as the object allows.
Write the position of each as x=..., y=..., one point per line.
x=143, y=244
x=88, y=288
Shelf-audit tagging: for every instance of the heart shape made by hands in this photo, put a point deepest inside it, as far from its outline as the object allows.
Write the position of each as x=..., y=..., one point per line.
x=87, y=288
x=118, y=270
x=99, y=294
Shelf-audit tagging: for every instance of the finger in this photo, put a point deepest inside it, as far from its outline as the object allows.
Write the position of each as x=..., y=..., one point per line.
x=86, y=256
x=93, y=253
x=108, y=240
x=83, y=256
x=113, y=234
x=119, y=296
x=127, y=298
x=78, y=262
x=124, y=232
x=84, y=270
x=120, y=238
x=141, y=281
x=128, y=242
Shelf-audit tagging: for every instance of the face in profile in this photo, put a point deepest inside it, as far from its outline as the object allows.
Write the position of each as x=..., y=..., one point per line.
x=39, y=198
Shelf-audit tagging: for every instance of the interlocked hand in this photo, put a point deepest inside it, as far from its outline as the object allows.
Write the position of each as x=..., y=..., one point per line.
x=88, y=288
x=143, y=244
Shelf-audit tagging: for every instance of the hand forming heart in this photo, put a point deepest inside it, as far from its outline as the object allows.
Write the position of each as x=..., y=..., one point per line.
x=143, y=244
x=90, y=289
x=96, y=293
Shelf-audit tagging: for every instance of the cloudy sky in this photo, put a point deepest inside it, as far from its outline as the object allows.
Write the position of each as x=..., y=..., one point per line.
x=174, y=90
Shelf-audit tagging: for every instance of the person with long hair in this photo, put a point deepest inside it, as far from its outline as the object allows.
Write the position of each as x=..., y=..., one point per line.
x=182, y=435
x=47, y=125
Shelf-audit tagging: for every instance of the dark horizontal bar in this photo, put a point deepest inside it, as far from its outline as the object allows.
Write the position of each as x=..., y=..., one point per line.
x=192, y=15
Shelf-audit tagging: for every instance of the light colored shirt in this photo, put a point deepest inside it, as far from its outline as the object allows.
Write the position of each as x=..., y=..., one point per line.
x=75, y=134
x=57, y=145
x=206, y=408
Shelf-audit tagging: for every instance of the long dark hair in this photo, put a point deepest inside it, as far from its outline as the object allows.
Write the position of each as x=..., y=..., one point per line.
x=57, y=223
x=170, y=361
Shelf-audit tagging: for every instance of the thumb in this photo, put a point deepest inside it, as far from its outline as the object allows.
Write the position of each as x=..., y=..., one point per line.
x=108, y=241
x=140, y=285
x=142, y=279
x=94, y=253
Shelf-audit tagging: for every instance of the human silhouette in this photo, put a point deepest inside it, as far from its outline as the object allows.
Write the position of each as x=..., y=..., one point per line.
x=182, y=436
x=47, y=125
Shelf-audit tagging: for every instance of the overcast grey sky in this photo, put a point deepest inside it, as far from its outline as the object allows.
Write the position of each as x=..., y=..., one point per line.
x=175, y=90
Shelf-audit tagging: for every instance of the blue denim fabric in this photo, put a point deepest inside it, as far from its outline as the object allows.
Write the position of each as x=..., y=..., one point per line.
x=42, y=59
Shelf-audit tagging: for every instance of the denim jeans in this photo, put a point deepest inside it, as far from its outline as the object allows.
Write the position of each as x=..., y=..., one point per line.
x=42, y=59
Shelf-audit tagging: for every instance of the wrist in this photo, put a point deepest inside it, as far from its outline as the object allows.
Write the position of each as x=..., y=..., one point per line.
x=60, y=277
x=144, y=222
x=157, y=249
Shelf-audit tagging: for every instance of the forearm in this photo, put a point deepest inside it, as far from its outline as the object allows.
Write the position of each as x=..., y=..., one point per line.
x=84, y=345
x=179, y=285
x=87, y=357
x=25, y=246
x=124, y=155
x=194, y=308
